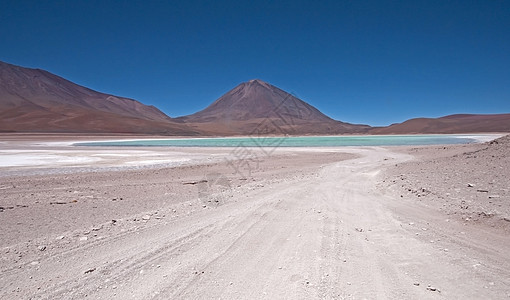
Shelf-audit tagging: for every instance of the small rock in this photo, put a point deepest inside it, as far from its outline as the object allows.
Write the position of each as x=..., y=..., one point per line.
x=146, y=218
x=431, y=288
x=416, y=283
x=470, y=185
x=60, y=237
x=89, y=270
x=83, y=238
x=204, y=206
x=493, y=196
x=41, y=248
x=97, y=228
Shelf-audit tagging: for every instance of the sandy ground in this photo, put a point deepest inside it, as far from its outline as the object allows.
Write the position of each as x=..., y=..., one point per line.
x=330, y=223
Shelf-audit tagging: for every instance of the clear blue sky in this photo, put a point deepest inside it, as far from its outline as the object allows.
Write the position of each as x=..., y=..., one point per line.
x=371, y=62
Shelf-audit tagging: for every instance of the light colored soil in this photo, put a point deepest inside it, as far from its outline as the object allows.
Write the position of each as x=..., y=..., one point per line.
x=470, y=183
x=321, y=224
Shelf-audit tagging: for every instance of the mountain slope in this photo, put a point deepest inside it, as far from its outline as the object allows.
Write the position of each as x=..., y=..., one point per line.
x=257, y=107
x=460, y=123
x=33, y=100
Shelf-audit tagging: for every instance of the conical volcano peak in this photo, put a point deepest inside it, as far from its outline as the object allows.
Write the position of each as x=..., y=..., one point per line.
x=257, y=102
x=258, y=82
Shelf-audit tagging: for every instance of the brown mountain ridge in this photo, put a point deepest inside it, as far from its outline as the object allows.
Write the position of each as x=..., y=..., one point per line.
x=459, y=123
x=34, y=100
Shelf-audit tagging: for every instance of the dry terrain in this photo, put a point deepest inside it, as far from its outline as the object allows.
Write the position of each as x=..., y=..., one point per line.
x=195, y=223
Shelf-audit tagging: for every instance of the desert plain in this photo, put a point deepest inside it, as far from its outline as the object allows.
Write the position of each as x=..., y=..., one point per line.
x=406, y=222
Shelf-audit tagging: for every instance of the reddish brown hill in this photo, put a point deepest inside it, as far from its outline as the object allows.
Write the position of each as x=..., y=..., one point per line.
x=33, y=100
x=461, y=123
x=257, y=107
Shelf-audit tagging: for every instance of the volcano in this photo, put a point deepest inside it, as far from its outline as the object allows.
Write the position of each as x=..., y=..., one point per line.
x=257, y=107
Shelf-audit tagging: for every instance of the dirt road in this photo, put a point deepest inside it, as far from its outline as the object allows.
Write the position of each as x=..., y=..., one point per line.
x=332, y=233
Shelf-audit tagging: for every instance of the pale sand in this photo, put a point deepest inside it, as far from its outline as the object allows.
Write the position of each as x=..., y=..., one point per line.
x=330, y=223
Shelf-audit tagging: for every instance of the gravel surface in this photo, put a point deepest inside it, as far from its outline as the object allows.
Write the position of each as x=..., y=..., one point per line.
x=344, y=223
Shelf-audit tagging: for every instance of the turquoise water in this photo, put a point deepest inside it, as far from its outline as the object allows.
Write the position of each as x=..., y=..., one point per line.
x=308, y=141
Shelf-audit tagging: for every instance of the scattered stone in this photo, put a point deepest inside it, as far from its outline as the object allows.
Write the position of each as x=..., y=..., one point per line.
x=41, y=248
x=195, y=182
x=482, y=191
x=484, y=214
x=97, y=228
x=57, y=202
x=204, y=206
x=83, y=238
x=431, y=288
x=506, y=219
x=470, y=185
x=359, y=229
x=416, y=284
x=34, y=263
x=146, y=217
x=60, y=237
x=493, y=196
x=89, y=270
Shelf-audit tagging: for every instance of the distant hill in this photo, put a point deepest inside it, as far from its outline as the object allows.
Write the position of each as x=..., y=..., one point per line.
x=259, y=107
x=33, y=100
x=460, y=123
